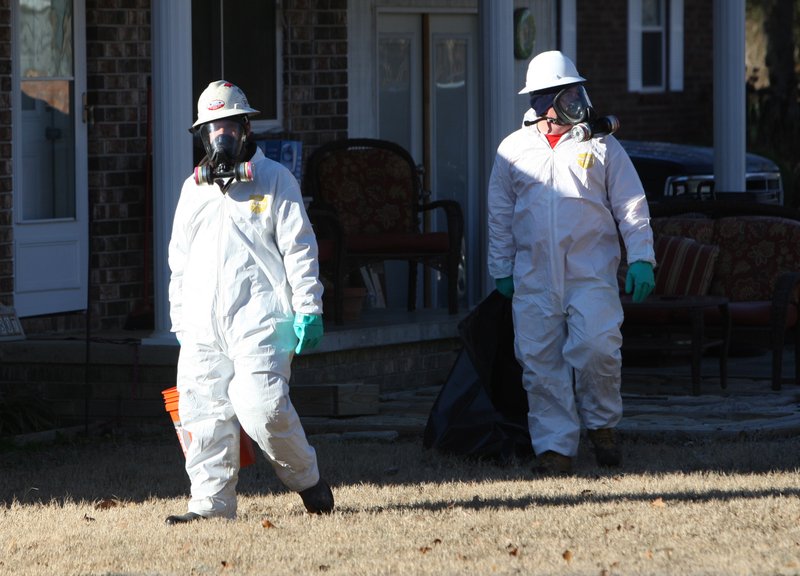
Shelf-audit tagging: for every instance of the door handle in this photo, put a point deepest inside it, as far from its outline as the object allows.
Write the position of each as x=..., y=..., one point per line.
x=88, y=111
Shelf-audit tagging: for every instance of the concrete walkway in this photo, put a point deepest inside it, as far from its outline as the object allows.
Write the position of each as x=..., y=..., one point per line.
x=657, y=403
x=657, y=396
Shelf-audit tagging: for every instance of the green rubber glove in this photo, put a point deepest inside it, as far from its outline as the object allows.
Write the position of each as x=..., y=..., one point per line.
x=308, y=328
x=505, y=286
x=640, y=279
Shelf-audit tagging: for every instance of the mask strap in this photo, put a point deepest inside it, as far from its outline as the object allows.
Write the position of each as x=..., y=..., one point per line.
x=547, y=119
x=224, y=186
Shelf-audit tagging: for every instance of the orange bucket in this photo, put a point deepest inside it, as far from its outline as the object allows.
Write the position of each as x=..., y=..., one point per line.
x=247, y=454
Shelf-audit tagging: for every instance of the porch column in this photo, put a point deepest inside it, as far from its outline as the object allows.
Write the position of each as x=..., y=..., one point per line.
x=729, y=96
x=496, y=21
x=172, y=143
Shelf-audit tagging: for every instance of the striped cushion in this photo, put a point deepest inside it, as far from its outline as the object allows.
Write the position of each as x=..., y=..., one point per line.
x=685, y=267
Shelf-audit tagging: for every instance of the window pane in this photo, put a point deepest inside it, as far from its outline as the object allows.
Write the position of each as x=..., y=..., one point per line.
x=394, y=90
x=45, y=37
x=206, y=53
x=47, y=109
x=249, y=52
x=652, y=59
x=450, y=105
x=651, y=13
x=48, y=150
x=235, y=40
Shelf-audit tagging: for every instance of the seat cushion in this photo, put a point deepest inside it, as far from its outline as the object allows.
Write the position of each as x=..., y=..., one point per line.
x=685, y=267
x=398, y=243
x=749, y=314
x=327, y=249
x=752, y=314
x=372, y=190
x=694, y=226
x=757, y=249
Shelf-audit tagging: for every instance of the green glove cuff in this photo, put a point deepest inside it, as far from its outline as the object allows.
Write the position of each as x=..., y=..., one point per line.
x=505, y=286
x=640, y=280
x=308, y=329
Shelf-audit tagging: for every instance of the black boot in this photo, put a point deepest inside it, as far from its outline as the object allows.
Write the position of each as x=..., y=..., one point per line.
x=551, y=463
x=606, y=448
x=318, y=499
x=184, y=518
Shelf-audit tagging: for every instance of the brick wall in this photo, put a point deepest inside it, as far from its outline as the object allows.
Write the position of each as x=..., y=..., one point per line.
x=118, y=69
x=124, y=380
x=603, y=60
x=6, y=247
x=394, y=368
x=315, y=111
x=315, y=70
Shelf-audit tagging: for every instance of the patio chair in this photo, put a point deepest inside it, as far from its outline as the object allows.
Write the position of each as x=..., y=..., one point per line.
x=374, y=190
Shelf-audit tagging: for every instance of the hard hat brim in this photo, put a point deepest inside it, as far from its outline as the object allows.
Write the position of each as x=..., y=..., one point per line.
x=226, y=114
x=562, y=82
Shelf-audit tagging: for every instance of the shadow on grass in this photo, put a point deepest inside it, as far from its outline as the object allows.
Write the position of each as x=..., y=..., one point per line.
x=586, y=497
x=142, y=467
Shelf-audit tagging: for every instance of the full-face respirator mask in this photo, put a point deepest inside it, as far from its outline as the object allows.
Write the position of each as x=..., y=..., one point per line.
x=573, y=108
x=224, y=141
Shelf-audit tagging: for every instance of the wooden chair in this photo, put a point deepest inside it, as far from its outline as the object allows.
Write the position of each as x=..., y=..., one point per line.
x=330, y=241
x=373, y=189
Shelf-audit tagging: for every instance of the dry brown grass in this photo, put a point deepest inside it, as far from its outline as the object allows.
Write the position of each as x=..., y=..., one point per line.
x=702, y=507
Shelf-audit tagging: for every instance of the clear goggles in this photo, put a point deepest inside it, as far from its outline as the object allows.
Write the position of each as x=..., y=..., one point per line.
x=572, y=104
x=231, y=127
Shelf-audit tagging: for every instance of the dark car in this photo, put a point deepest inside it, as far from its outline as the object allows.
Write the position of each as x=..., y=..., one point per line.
x=679, y=171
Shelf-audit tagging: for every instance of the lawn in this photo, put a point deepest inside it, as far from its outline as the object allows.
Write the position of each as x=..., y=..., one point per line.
x=97, y=506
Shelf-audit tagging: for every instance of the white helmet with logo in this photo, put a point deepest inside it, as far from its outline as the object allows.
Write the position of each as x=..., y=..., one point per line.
x=220, y=100
x=550, y=70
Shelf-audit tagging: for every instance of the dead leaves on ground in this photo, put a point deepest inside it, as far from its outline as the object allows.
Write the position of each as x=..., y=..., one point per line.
x=511, y=548
x=426, y=549
x=658, y=503
x=104, y=504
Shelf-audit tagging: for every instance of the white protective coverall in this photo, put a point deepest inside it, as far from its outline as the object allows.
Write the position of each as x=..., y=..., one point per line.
x=553, y=216
x=243, y=263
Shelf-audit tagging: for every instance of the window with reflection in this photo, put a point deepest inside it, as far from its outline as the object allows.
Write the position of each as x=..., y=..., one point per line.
x=236, y=40
x=47, y=109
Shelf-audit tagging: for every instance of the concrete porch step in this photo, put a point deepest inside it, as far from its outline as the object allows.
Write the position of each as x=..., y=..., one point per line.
x=119, y=376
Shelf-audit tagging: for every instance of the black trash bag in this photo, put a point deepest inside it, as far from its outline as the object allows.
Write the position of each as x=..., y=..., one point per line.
x=482, y=408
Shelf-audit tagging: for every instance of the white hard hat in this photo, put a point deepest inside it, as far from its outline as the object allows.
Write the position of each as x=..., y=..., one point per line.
x=220, y=100
x=549, y=70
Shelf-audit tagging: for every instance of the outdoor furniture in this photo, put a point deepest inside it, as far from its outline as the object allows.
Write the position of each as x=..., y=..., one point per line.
x=680, y=327
x=749, y=254
x=331, y=254
x=373, y=191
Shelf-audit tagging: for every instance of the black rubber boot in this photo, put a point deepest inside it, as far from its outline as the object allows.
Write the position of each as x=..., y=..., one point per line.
x=318, y=499
x=551, y=463
x=606, y=448
x=184, y=518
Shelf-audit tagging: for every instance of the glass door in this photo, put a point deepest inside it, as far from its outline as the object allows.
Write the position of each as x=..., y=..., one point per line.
x=452, y=136
x=49, y=150
x=427, y=100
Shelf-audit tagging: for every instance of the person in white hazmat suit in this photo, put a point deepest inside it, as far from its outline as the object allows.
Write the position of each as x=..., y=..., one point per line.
x=560, y=188
x=245, y=296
